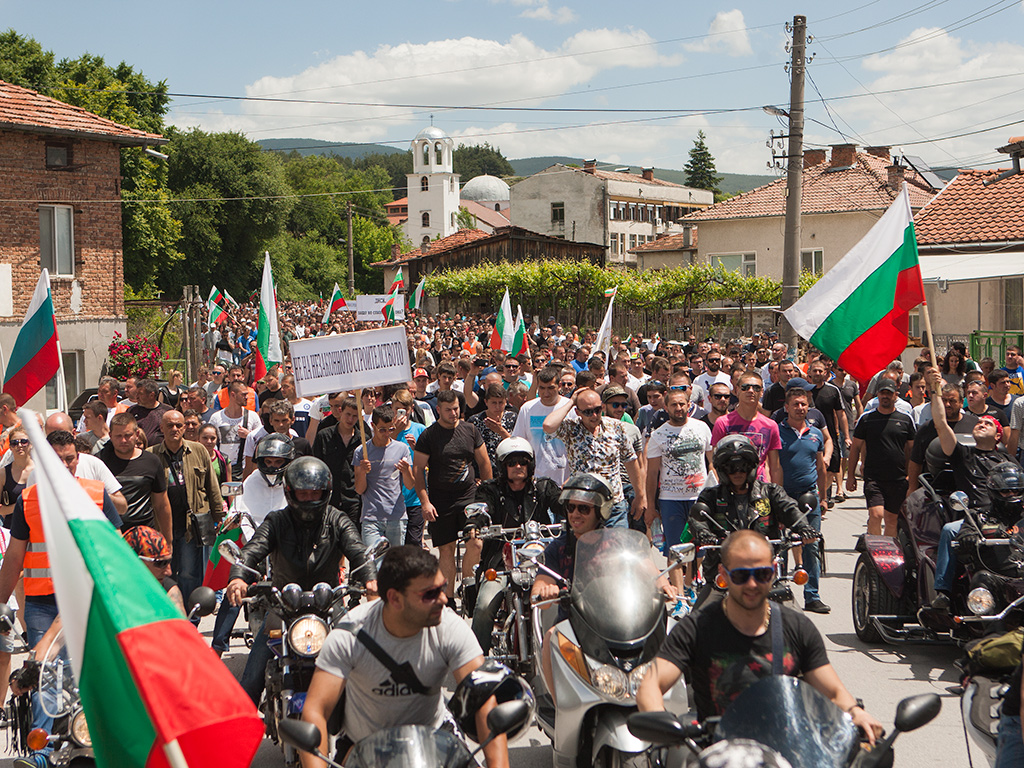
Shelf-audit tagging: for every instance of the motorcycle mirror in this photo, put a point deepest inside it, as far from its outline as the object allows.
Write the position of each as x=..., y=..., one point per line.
x=229, y=550
x=656, y=727
x=6, y=616
x=916, y=711
x=508, y=717
x=958, y=501
x=203, y=600
x=228, y=490
x=683, y=553
x=380, y=548
x=301, y=735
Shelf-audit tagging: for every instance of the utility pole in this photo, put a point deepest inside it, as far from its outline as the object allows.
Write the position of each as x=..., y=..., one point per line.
x=351, y=257
x=794, y=181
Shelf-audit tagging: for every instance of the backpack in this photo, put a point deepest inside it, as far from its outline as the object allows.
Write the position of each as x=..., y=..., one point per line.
x=996, y=653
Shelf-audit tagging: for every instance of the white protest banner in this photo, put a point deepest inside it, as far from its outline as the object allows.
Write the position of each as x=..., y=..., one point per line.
x=371, y=308
x=349, y=361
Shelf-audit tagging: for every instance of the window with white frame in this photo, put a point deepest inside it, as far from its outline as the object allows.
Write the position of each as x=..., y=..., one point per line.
x=73, y=379
x=57, y=239
x=744, y=263
x=914, y=323
x=812, y=261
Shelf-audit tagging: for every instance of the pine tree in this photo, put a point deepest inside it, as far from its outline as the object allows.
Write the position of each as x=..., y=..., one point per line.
x=700, y=170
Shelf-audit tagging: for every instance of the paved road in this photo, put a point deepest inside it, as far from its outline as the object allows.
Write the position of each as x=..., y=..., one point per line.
x=879, y=675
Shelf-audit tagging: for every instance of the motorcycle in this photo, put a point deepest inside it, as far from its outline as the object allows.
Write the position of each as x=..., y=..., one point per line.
x=779, y=721
x=512, y=637
x=298, y=622
x=69, y=739
x=893, y=580
x=408, y=745
x=617, y=621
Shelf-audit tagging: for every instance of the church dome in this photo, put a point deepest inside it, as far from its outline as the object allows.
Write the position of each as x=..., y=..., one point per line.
x=485, y=188
x=431, y=132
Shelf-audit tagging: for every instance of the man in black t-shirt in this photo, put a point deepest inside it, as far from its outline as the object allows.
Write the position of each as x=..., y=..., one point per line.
x=335, y=444
x=452, y=450
x=775, y=396
x=730, y=644
x=829, y=400
x=142, y=477
x=962, y=422
x=885, y=437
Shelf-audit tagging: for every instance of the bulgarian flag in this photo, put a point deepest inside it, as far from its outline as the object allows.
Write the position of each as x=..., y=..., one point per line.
x=154, y=694
x=504, y=326
x=388, y=310
x=609, y=293
x=857, y=314
x=230, y=299
x=652, y=345
x=216, y=304
x=416, y=300
x=336, y=304
x=398, y=284
x=217, y=568
x=519, y=338
x=35, y=358
x=268, y=338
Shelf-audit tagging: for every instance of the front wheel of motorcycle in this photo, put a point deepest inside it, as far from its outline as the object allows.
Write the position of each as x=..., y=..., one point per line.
x=613, y=758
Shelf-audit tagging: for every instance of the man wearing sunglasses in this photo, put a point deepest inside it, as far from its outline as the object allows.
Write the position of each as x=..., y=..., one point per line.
x=748, y=420
x=732, y=643
x=411, y=626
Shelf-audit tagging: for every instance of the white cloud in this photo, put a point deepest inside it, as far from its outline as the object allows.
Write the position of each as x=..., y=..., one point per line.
x=544, y=12
x=727, y=34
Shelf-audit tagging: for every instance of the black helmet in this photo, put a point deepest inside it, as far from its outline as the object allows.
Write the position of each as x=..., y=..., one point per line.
x=307, y=474
x=1006, y=491
x=274, y=446
x=589, y=489
x=935, y=458
x=735, y=453
x=492, y=678
x=514, y=446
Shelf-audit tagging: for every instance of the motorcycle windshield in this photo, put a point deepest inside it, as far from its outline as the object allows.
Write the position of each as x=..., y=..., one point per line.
x=409, y=746
x=795, y=720
x=613, y=585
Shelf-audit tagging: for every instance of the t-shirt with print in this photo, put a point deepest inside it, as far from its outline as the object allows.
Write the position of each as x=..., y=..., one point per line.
x=230, y=442
x=374, y=700
x=603, y=453
x=548, y=450
x=302, y=409
x=415, y=429
x=721, y=662
x=762, y=431
x=682, y=450
x=451, y=466
x=383, y=499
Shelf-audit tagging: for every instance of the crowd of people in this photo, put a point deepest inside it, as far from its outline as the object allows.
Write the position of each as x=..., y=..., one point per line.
x=746, y=429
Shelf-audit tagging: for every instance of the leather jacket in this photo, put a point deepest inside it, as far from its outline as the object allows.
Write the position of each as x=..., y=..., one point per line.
x=305, y=555
x=540, y=503
x=769, y=509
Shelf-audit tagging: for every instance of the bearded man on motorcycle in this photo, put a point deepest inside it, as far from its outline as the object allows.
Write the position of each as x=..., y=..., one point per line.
x=513, y=499
x=306, y=542
x=391, y=658
x=730, y=644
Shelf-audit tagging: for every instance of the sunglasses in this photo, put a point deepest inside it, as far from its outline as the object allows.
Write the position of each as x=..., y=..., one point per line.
x=679, y=388
x=17, y=442
x=748, y=387
x=584, y=508
x=163, y=562
x=589, y=411
x=434, y=594
x=517, y=461
x=618, y=404
x=715, y=360
x=762, y=575
x=719, y=396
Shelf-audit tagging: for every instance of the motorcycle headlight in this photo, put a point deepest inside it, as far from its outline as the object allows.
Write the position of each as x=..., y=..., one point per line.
x=637, y=676
x=531, y=550
x=611, y=681
x=307, y=634
x=981, y=602
x=80, y=730
x=523, y=577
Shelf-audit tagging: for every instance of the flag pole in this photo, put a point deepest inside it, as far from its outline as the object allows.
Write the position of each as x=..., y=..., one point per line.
x=174, y=754
x=931, y=339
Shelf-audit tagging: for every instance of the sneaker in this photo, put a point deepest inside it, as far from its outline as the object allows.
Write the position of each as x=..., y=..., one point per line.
x=32, y=761
x=940, y=602
x=816, y=606
x=691, y=595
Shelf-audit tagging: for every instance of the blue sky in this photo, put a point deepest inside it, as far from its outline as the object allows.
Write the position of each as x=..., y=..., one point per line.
x=959, y=68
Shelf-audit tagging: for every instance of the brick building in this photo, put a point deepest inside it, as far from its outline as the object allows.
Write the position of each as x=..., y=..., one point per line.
x=60, y=207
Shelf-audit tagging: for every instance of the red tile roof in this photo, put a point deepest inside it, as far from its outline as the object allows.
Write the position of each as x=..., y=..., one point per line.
x=461, y=237
x=668, y=243
x=488, y=216
x=859, y=187
x=966, y=211
x=22, y=109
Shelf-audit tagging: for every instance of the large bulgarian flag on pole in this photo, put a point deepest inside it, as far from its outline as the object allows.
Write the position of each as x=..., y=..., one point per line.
x=268, y=338
x=858, y=312
x=154, y=694
x=35, y=358
x=335, y=304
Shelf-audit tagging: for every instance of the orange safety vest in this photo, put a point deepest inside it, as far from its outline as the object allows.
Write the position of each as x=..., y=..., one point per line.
x=250, y=398
x=37, y=577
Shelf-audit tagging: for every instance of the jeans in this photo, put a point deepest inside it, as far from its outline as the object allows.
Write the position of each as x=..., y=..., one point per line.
x=255, y=673
x=222, y=627
x=674, y=514
x=38, y=618
x=375, y=530
x=619, y=517
x=945, y=563
x=811, y=562
x=488, y=600
x=187, y=566
x=1010, y=750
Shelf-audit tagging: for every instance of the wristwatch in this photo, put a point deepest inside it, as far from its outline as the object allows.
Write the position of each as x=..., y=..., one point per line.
x=856, y=703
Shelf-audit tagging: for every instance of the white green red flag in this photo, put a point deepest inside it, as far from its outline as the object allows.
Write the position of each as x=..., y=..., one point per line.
x=652, y=345
x=609, y=293
x=215, y=303
x=268, y=337
x=154, y=694
x=230, y=299
x=416, y=300
x=335, y=304
x=519, y=338
x=504, y=326
x=35, y=358
x=397, y=284
x=218, y=568
x=858, y=312
x=388, y=310
x=604, y=334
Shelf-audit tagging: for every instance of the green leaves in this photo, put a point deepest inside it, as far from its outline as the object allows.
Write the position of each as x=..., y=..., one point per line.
x=700, y=169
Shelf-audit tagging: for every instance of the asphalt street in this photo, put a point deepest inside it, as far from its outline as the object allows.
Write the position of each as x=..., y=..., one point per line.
x=880, y=675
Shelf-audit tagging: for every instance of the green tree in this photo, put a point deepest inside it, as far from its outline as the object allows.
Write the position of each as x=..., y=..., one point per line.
x=24, y=62
x=464, y=219
x=397, y=166
x=470, y=161
x=700, y=169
